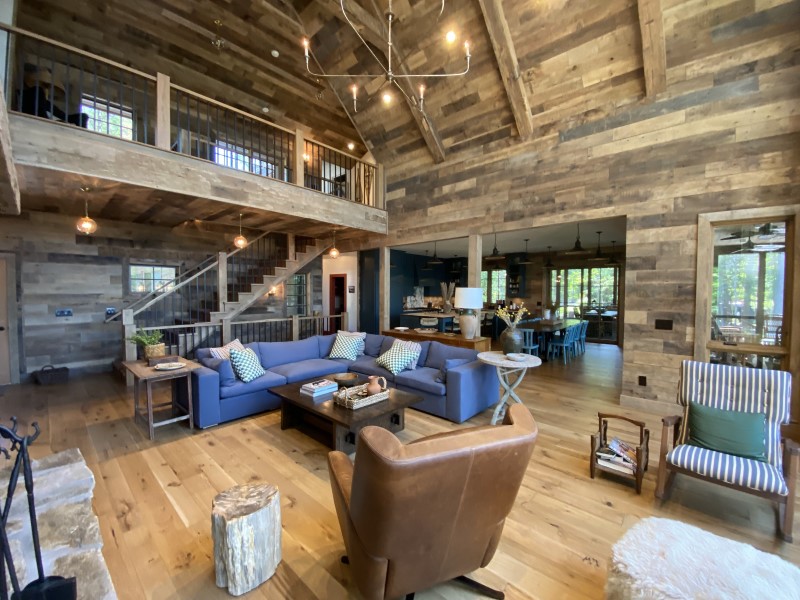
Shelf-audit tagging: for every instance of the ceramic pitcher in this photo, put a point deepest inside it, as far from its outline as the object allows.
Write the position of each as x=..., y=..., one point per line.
x=375, y=386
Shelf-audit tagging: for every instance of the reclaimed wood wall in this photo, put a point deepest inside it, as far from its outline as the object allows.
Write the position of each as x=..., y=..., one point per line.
x=724, y=135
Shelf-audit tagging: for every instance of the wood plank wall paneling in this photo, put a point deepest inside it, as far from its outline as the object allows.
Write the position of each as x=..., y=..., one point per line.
x=59, y=268
x=725, y=135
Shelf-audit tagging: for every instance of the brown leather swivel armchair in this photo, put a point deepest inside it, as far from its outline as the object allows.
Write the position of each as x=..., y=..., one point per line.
x=417, y=515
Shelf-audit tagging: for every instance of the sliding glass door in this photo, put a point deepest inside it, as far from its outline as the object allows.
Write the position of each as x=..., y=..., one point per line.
x=590, y=293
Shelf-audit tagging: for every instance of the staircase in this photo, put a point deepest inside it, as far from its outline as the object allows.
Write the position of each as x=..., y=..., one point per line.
x=195, y=310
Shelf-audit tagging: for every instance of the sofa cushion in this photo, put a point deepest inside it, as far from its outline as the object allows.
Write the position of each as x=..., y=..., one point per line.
x=246, y=365
x=372, y=344
x=439, y=352
x=423, y=379
x=267, y=380
x=308, y=369
x=450, y=363
x=346, y=346
x=325, y=344
x=398, y=357
x=224, y=352
x=223, y=367
x=282, y=353
x=366, y=365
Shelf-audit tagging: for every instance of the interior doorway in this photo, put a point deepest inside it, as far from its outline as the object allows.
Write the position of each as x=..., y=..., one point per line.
x=337, y=301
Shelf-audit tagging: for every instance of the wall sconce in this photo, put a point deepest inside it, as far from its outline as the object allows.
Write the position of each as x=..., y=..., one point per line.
x=271, y=292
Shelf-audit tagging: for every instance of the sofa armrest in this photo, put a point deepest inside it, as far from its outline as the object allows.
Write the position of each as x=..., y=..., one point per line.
x=471, y=388
x=205, y=397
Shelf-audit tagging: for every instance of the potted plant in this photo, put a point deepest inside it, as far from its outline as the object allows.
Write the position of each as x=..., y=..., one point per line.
x=150, y=341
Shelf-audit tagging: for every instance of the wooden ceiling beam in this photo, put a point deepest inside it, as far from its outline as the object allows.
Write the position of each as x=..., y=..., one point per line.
x=506, y=56
x=374, y=31
x=654, y=48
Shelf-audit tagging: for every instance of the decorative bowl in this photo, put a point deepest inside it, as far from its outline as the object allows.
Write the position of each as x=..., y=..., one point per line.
x=517, y=356
x=400, y=328
x=169, y=366
x=345, y=379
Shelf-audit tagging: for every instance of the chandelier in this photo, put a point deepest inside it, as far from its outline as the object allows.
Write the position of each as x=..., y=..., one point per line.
x=387, y=67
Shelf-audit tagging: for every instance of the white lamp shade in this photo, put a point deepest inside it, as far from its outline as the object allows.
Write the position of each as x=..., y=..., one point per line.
x=468, y=298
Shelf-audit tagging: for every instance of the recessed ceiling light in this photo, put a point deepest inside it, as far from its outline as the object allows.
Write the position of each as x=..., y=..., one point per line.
x=265, y=109
x=351, y=146
x=450, y=36
x=275, y=54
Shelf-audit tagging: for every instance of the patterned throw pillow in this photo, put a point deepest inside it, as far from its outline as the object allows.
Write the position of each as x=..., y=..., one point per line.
x=396, y=358
x=346, y=346
x=246, y=365
x=414, y=347
x=360, y=335
x=224, y=352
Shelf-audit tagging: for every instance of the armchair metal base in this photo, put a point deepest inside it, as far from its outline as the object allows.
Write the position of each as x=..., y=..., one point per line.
x=470, y=583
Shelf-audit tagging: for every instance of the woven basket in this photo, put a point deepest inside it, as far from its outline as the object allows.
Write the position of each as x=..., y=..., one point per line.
x=351, y=397
x=155, y=350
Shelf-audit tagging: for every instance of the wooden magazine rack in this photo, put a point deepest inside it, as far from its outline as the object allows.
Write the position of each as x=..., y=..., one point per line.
x=600, y=440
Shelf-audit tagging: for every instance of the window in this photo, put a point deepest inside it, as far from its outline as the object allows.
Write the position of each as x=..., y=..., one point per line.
x=149, y=278
x=107, y=117
x=493, y=284
x=590, y=293
x=296, y=295
x=242, y=159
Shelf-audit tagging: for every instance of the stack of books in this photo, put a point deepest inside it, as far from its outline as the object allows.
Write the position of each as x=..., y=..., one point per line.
x=618, y=456
x=319, y=387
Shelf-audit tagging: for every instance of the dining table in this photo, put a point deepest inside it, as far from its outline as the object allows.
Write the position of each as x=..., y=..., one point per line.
x=547, y=328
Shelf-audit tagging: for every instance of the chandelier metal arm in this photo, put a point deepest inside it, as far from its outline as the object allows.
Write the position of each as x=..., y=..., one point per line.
x=363, y=41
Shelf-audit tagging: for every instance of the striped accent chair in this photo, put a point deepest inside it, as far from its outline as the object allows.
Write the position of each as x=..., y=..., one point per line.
x=739, y=389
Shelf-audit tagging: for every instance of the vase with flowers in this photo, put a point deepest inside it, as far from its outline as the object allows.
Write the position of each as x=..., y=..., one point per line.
x=511, y=338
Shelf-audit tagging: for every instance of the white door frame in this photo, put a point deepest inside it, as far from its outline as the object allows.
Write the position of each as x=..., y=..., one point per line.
x=12, y=324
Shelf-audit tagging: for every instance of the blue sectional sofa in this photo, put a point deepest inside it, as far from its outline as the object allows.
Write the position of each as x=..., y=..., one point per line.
x=218, y=396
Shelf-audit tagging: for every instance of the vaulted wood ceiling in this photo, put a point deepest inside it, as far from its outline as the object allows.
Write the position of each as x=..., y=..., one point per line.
x=537, y=66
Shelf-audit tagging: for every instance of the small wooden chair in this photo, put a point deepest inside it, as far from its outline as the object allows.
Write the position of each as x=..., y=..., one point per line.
x=734, y=389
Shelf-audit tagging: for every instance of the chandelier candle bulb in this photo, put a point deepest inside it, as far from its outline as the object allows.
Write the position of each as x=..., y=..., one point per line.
x=305, y=47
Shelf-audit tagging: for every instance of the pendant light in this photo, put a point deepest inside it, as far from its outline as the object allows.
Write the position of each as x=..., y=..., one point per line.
x=334, y=252
x=86, y=225
x=613, y=262
x=526, y=260
x=240, y=241
x=435, y=260
x=549, y=264
x=598, y=255
x=495, y=252
x=427, y=264
x=577, y=248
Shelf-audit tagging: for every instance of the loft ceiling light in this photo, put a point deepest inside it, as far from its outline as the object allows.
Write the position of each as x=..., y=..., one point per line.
x=387, y=67
x=435, y=260
x=613, y=262
x=495, y=252
x=526, y=260
x=577, y=248
x=217, y=40
x=549, y=264
x=86, y=225
x=599, y=256
x=334, y=252
x=240, y=241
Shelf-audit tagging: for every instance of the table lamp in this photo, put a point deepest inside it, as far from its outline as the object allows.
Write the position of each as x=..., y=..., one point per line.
x=470, y=300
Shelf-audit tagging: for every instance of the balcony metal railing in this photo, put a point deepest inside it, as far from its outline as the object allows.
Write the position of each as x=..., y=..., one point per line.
x=52, y=80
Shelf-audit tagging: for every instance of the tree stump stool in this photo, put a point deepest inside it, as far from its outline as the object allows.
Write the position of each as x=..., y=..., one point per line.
x=246, y=527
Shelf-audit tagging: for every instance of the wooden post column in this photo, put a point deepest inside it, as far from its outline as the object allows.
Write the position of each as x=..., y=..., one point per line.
x=222, y=281
x=384, y=282
x=475, y=258
x=162, y=112
x=298, y=174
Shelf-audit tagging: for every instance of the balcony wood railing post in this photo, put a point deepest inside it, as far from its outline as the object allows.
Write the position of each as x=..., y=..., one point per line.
x=226, y=330
x=298, y=174
x=128, y=329
x=222, y=280
x=295, y=328
x=163, y=134
x=379, y=188
x=290, y=247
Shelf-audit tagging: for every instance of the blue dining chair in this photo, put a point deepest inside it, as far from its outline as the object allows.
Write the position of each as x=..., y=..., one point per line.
x=562, y=345
x=530, y=343
x=579, y=341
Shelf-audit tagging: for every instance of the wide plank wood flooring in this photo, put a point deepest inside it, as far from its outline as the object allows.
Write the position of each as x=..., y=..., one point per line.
x=154, y=498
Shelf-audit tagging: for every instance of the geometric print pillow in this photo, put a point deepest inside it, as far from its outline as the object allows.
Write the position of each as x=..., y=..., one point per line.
x=360, y=335
x=346, y=346
x=397, y=358
x=414, y=347
x=224, y=352
x=246, y=365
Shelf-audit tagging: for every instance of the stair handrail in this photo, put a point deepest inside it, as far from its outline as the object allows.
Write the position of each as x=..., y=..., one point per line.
x=160, y=293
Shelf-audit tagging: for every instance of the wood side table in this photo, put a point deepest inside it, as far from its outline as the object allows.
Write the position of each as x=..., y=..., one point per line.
x=145, y=375
x=506, y=368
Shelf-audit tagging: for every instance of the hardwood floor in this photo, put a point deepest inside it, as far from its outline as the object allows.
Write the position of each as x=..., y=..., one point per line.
x=154, y=498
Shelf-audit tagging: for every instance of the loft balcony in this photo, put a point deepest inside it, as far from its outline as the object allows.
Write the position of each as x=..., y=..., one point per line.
x=78, y=120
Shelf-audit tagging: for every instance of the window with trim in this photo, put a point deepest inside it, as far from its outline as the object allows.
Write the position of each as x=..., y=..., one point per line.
x=493, y=284
x=296, y=295
x=107, y=117
x=149, y=278
x=243, y=159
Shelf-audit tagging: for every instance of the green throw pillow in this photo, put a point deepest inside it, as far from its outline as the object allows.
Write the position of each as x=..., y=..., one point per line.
x=729, y=431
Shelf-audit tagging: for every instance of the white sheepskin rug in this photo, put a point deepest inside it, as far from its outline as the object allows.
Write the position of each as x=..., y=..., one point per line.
x=661, y=559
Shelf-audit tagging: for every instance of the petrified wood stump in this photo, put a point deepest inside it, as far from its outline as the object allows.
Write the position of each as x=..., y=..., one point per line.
x=246, y=527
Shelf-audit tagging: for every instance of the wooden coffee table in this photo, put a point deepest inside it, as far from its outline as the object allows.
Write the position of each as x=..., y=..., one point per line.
x=333, y=425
